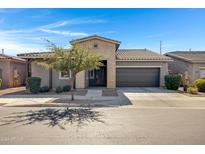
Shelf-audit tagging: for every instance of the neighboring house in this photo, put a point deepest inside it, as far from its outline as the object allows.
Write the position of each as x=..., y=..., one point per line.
x=122, y=67
x=192, y=62
x=12, y=71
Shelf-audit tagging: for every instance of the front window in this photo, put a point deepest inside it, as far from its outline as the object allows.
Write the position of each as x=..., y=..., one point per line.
x=64, y=75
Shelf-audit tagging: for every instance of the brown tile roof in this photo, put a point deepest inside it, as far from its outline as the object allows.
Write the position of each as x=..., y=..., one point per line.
x=121, y=54
x=3, y=56
x=192, y=56
x=140, y=54
x=34, y=55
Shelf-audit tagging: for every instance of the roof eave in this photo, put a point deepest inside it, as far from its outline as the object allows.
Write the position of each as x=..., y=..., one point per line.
x=156, y=60
x=198, y=61
x=179, y=57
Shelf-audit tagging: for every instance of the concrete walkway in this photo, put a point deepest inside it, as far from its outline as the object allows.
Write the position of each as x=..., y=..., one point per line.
x=94, y=93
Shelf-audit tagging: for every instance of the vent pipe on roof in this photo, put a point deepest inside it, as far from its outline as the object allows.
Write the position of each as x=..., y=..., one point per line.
x=2, y=51
x=189, y=49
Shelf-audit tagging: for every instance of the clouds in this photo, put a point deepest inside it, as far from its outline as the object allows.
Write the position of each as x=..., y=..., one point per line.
x=31, y=39
x=17, y=41
x=70, y=22
x=53, y=27
x=64, y=33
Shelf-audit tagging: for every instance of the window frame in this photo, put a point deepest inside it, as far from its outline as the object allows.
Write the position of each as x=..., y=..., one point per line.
x=64, y=78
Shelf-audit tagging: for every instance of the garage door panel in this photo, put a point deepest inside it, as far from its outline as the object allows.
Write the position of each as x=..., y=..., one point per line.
x=137, y=77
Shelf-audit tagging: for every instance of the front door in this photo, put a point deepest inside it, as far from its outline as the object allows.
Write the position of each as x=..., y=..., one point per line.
x=97, y=77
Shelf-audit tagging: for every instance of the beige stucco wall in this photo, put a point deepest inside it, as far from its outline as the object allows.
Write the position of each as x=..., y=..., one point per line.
x=196, y=70
x=180, y=66
x=107, y=50
x=80, y=80
x=43, y=73
x=162, y=65
x=7, y=67
x=39, y=71
x=56, y=81
x=21, y=70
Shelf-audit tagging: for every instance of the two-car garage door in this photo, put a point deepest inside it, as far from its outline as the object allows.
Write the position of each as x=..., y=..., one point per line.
x=137, y=77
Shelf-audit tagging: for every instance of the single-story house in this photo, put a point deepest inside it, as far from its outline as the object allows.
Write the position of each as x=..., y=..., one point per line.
x=192, y=62
x=12, y=71
x=122, y=67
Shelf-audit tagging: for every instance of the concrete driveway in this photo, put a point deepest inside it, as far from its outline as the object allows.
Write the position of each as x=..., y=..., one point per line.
x=160, y=98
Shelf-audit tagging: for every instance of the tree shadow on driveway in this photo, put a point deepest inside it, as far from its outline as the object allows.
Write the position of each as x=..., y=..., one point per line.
x=54, y=117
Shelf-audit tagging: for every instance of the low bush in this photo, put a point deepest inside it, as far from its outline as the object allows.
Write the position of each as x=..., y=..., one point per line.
x=59, y=90
x=192, y=90
x=66, y=88
x=44, y=89
x=1, y=83
x=200, y=84
x=172, y=81
x=34, y=84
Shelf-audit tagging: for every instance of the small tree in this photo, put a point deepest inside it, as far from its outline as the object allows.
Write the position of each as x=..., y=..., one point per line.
x=72, y=61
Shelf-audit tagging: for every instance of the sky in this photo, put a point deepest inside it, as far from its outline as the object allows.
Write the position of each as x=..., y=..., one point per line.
x=25, y=30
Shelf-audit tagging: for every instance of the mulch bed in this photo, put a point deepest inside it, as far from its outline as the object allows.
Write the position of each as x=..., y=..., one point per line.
x=79, y=92
x=109, y=92
x=69, y=101
x=74, y=103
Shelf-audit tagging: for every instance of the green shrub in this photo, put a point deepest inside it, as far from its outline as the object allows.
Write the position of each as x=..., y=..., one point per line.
x=1, y=83
x=44, y=89
x=66, y=88
x=34, y=84
x=59, y=90
x=200, y=84
x=192, y=90
x=172, y=81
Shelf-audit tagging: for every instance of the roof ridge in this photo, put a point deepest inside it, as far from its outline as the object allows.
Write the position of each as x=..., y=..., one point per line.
x=95, y=35
x=194, y=51
x=134, y=49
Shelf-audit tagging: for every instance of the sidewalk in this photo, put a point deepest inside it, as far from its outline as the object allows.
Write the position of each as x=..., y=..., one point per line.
x=92, y=98
x=11, y=90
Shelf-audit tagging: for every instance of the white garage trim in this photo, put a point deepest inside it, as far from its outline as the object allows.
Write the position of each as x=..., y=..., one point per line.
x=138, y=66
